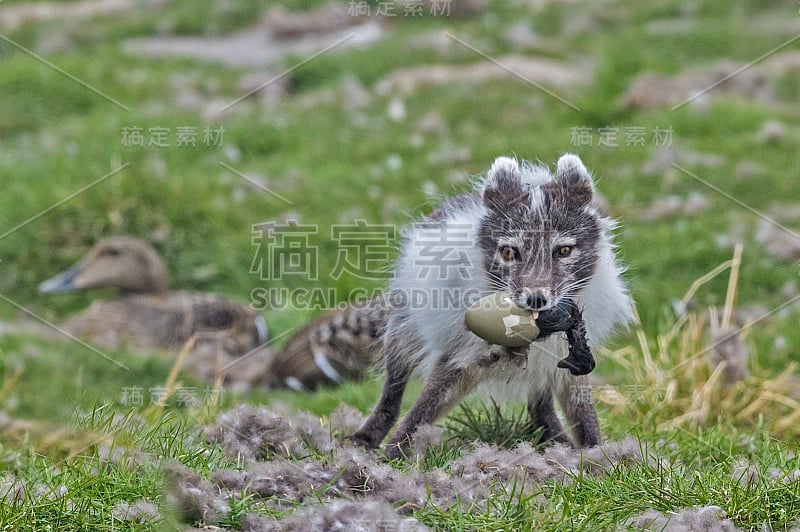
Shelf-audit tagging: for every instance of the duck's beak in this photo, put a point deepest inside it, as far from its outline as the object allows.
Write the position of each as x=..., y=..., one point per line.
x=63, y=282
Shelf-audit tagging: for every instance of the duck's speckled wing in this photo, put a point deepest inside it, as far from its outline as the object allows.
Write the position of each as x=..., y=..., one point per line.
x=155, y=322
x=337, y=346
x=243, y=328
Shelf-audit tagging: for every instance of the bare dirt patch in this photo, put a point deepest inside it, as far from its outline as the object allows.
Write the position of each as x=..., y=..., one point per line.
x=547, y=72
x=253, y=47
x=33, y=12
x=652, y=90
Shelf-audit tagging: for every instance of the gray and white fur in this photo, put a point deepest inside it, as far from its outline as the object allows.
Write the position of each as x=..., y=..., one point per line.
x=523, y=230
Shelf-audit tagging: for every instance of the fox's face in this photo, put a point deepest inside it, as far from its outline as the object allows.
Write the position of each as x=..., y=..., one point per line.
x=540, y=235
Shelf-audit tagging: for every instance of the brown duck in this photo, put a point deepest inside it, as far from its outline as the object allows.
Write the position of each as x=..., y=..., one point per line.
x=338, y=346
x=144, y=313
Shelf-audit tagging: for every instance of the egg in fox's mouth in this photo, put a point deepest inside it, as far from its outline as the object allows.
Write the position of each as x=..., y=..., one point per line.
x=499, y=320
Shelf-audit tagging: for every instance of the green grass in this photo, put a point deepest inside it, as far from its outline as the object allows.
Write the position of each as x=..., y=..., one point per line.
x=57, y=137
x=694, y=469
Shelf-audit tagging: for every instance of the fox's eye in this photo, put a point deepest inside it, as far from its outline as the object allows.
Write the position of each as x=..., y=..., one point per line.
x=509, y=253
x=564, y=251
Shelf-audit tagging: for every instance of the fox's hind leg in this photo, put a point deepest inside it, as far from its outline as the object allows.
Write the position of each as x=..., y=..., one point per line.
x=575, y=397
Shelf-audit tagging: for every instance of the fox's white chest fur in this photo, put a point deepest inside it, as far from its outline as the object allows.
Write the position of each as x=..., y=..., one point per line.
x=523, y=230
x=604, y=299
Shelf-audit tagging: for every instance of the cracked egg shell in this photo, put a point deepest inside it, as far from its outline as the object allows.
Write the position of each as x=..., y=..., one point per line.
x=498, y=320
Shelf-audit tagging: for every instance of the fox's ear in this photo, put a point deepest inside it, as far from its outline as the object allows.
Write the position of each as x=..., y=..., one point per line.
x=574, y=176
x=503, y=187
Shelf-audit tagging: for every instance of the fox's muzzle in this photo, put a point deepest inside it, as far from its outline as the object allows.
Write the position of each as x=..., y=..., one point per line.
x=537, y=298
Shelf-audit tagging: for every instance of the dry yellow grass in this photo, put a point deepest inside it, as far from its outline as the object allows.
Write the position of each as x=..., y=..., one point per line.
x=687, y=376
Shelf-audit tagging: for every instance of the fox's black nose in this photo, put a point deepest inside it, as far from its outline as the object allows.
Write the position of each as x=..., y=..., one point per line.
x=536, y=300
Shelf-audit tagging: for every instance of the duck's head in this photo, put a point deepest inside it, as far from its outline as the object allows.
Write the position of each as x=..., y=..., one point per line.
x=128, y=264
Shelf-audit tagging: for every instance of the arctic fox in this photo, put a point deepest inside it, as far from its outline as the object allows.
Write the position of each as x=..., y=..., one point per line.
x=522, y=230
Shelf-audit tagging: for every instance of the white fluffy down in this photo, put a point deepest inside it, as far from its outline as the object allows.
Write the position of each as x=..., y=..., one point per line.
x=697, y=519
x=346, y=478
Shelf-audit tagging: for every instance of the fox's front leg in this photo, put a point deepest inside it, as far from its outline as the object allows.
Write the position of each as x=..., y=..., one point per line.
x=544, y=418
x=575, y=395
x=371, y=434
x=445, y=387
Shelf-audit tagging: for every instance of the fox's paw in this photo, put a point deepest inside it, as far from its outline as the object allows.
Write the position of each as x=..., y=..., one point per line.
x=362, y=439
